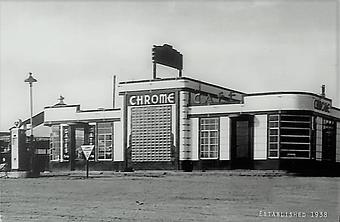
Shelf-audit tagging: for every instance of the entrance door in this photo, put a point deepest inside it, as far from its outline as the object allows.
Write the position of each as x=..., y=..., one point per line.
x=241, y=142
x=78, y=136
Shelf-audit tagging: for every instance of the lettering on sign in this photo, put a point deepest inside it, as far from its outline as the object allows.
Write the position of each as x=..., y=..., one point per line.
x=322, y=105
x=152, y=99
x=207, y=99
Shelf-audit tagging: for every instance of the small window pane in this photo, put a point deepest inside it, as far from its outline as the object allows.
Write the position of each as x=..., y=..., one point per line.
x=273, y=146
x=273, y=139
x=273, y=118
x=273, y=153
x=273, y=124
x=274, y=132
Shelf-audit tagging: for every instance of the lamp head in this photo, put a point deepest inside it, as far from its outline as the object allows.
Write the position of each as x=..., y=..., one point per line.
x=30, y=79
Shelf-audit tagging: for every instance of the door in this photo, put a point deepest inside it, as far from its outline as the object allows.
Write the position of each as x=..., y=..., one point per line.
x=78, y=136
x=241, y=142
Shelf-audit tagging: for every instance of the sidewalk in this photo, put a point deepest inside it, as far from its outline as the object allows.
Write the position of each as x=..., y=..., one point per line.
x=163, y=173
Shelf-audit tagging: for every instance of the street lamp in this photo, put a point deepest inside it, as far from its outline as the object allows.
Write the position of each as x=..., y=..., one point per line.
x=31, y=80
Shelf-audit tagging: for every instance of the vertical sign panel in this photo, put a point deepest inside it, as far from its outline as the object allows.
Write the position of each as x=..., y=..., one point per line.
x=15, y=149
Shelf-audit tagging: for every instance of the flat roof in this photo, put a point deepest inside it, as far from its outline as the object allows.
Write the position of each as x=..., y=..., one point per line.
x=287, y=92
x=79, y=110
x=179, y=78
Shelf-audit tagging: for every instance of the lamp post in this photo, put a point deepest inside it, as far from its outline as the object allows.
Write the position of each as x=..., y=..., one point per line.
x=31, y=80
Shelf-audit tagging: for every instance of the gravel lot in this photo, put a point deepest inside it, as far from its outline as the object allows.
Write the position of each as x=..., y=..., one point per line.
x=170, y=196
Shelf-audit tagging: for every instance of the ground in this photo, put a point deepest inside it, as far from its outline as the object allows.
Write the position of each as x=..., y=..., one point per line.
x=171, y=196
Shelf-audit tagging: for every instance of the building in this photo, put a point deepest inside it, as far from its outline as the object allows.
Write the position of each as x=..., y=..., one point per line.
x=14, y=153
x=184, y=124
x=5, y=141
x=5, y=148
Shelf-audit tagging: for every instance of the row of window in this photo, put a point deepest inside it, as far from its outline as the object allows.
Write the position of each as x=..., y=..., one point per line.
x=289, y=136
x=60, y=139
x=294, y=136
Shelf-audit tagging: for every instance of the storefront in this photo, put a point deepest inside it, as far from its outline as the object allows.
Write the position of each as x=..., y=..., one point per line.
x=71, y=128
x=182, y=123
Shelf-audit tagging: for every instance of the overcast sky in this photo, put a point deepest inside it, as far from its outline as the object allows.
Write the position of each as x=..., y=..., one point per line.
x=74, y=47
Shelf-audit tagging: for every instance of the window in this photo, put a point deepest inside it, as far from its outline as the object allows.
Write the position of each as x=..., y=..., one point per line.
x=209, y=138
x=274, y=136
x=55, y=143
x=5, y=143
x=105, y=134
x=295, y=136
x=328, y=140
x=289, y=136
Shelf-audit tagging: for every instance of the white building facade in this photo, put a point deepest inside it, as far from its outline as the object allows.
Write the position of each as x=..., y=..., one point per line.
x=184, y=124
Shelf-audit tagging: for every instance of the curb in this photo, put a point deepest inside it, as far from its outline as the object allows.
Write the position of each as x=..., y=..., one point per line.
x=96, y=174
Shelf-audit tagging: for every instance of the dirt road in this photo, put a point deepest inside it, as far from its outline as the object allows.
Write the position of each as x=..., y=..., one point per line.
x=174, y=197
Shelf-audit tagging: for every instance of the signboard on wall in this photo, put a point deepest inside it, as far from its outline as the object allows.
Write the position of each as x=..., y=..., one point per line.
x=322, y=105
x=151, y=99
x=214, y=99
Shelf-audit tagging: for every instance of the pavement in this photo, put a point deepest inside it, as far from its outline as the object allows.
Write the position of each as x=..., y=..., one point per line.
x=162, y=173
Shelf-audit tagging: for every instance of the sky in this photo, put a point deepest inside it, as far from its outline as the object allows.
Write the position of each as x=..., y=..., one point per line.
x=73, y=48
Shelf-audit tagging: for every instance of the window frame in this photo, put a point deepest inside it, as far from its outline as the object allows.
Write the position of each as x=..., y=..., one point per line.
x=298, y=136
x=277, y=143
x=308, y=128
x=329, y=134
x=208, y=138
x=98, y=135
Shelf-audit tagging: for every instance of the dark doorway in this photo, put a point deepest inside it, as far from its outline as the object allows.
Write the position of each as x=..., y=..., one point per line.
x=328, y=140
x=241, y=142
x=78, y=136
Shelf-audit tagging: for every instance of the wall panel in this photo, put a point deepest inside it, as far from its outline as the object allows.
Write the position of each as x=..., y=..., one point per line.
x=260, y=137
x=224, y=138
